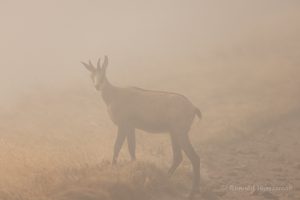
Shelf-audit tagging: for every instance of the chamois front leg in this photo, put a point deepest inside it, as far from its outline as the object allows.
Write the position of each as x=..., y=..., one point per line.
x=118, y=143
x=131, y=143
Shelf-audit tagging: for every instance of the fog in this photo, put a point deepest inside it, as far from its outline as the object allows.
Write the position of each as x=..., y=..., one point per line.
x=43, y=41
x=237, y=60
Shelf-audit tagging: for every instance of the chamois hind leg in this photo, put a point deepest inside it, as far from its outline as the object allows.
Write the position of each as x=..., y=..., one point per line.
x=131, y=143
x=122, y=133
x=177, y=155
x=185, y=144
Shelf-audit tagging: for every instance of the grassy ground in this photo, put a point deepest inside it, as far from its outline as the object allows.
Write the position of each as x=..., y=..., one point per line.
x=57, y=144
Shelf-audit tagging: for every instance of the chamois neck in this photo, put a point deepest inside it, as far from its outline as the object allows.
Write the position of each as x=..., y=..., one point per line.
x=108, y=92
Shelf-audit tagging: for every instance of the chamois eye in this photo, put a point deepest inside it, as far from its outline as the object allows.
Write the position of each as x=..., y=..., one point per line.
x=93, y=77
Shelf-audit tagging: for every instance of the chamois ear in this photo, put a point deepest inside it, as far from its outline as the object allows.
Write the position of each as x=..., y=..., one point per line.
x=99, y=64
x=90, y=63
x=105, y=63
x=89, y=66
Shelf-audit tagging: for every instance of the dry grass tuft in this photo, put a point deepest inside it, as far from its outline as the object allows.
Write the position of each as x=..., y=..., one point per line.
x=126, y=181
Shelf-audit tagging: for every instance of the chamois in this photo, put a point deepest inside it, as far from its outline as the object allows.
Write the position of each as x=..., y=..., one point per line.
x=152, y=111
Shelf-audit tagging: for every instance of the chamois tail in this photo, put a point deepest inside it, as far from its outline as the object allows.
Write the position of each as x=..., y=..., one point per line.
x=198, y=113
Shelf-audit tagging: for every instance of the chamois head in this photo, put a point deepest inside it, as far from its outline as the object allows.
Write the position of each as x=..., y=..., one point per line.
x=98, y=75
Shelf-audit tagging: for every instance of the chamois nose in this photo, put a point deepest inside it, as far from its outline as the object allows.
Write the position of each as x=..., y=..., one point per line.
x=97, y=87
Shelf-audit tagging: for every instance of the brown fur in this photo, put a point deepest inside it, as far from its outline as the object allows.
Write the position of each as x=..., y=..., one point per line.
x=152, y=111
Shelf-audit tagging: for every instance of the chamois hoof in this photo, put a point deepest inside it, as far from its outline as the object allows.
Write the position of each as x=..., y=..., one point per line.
x=170, y=172
x=114, y=163
x=193, y=193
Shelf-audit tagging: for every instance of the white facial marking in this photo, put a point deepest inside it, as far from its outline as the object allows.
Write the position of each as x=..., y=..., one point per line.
x=93, y=77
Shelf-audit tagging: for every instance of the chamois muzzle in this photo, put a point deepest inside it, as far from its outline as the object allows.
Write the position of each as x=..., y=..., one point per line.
x=97, y=87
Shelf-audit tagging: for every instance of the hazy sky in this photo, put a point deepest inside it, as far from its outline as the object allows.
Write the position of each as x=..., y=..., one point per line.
x=45, y=39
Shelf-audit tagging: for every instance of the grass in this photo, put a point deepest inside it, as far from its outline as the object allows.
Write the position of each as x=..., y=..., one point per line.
x=128, y=181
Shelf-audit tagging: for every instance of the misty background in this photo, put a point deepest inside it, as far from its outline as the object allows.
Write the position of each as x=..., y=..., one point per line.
x=42, y=42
